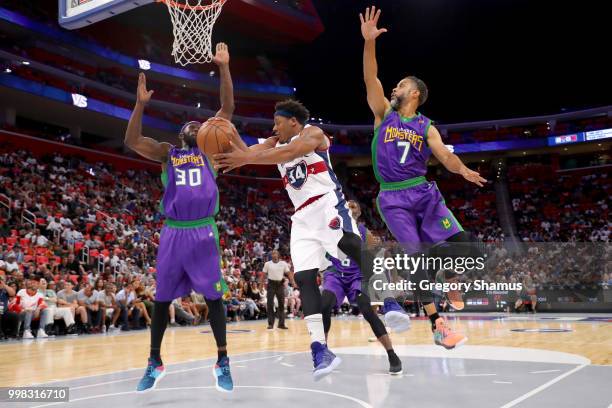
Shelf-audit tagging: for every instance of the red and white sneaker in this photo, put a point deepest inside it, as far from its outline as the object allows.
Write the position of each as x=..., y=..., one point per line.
x=445, y=337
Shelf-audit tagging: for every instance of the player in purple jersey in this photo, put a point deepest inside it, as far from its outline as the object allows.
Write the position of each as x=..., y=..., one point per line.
x=343, y=278
x=412, y=207
x=188, y=256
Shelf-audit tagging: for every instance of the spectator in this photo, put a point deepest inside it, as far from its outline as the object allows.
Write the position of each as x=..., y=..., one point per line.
x=125, y=299
x=254, y=294
x=74, y=266
x=200, y=303
x=108, y=305
x=54, y=312
x=293, y=300
x=11, y=265
x=179, y=315
x=88, y=299
x=8, y=319
x=38, y=240
x=29, y=305
x=67, y=298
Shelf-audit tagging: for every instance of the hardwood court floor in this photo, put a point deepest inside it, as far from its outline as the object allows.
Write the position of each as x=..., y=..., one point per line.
x=40, y=361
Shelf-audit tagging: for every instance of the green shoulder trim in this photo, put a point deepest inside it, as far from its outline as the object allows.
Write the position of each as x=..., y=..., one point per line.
x=409, y=119
x=427, y=132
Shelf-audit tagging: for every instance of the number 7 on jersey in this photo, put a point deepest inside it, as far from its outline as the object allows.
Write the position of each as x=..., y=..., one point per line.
x=406, y=146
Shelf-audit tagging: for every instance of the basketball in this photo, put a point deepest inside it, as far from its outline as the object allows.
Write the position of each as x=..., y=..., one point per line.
x=214, y=136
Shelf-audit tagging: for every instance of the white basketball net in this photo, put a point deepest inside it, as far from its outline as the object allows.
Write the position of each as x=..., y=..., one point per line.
x=192, y=25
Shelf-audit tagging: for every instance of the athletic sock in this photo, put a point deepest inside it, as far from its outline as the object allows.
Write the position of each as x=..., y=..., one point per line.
x=314, y=323
x=221, y=354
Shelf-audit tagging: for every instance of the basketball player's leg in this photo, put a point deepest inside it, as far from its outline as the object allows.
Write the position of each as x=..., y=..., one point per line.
x=378, y=328
x=203, y=265
x=308, y=229
x=172, y=282
x=439, y=226
x=333, y=294
x=328, y=301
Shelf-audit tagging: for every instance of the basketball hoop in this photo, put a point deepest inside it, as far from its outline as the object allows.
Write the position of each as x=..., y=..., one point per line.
x=192, y=25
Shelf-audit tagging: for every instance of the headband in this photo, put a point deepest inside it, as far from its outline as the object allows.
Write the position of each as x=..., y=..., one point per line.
x=284, y=113
x=193, y=122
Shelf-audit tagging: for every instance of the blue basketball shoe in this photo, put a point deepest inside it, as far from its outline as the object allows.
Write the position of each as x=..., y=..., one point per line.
x=324, y=360
x=223, y=377
x=395, y=316
x=155, y=371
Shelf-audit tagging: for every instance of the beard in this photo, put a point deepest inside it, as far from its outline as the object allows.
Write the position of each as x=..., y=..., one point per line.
x=190, y=140
x=396, y=102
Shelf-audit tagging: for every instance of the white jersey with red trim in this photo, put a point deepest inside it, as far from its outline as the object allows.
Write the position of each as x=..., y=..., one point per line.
x=309, y=176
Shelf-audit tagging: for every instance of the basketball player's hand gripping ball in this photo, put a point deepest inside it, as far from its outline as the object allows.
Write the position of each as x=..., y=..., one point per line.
x=369, y=23
x=236, y=158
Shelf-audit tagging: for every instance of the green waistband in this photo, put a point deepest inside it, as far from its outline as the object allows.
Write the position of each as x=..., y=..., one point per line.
x=400, y=185
x=190, y=224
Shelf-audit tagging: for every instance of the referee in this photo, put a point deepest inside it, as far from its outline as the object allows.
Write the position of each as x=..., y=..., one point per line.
x=276, y=269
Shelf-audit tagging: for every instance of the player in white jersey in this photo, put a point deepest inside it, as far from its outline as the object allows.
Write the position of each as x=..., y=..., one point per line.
x=321, y=223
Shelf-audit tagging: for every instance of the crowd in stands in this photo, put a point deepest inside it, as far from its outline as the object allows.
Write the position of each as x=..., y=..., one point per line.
x=84, y=236
x=554, y=206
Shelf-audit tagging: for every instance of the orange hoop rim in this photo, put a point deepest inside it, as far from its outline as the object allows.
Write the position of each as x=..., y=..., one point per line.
x=176, y=4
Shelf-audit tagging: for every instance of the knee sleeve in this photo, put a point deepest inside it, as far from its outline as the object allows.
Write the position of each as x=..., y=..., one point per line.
x=309, y=291
x=351, y=245
x=363, y=301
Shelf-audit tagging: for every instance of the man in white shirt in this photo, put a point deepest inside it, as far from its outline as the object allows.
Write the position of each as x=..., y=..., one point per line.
x=11, y=264
x=32, y=306
x=54, y=225
x=54, y=312
x=38, y=240
x=125, y=300
x=276, y=269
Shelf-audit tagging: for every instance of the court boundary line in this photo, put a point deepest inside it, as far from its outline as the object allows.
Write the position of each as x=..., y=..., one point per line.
x=169, y=365
x=544, y=386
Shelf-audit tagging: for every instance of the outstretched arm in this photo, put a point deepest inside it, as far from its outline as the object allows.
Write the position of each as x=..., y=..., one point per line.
x=376, y=95
x=310, y=139
x=144, y=146
x=226, y=90
x=451, y=161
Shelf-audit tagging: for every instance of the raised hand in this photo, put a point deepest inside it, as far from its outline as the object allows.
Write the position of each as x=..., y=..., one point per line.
x=142, y=95
x=221, y=56
x=369, y=23
x=473, y=176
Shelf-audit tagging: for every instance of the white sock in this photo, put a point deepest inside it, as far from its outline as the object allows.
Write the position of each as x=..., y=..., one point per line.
x=315, y=327
x=172, y=321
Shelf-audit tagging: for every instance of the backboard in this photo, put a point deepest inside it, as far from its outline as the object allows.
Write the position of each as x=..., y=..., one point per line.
x=80, y=13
